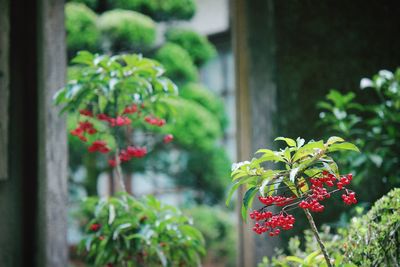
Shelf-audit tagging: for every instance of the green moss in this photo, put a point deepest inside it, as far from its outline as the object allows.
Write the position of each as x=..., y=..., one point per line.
x=127, y=30
x=82, y=32
x=161, y=10
x=177, y=62
x=199, y=48
x=208, y=99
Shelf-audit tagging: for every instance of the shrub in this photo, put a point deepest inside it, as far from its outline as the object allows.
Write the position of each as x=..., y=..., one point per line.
x=195, y=127
x=177, y=62
x=127, y=30
x=218, y=229
x=208, y=99
x=374, y=239
x=123, y=231
x=82, y=32
x=90, y=3
x=199, y=48
x=161, y=10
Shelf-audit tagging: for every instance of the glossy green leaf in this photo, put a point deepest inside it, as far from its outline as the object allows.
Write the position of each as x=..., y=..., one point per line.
x=289, y=141
x=343, y=146
x=248, y=200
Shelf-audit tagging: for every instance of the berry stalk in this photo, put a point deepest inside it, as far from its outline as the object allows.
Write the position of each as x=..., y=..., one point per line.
x=316, y=234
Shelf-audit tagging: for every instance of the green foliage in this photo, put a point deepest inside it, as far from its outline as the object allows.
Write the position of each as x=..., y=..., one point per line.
x=298, y=162
x=126, y=232
x=127, y=30
x=374, y=239
x=177, y=62
x=372, y=126
x=210, y=176
x=218, y=229
x=199, y=48
x=370, y=240
x=90, y=3
x=205, y=97
x=160, y=10
x=82, y=32
x=111, y=83
x=194, y=126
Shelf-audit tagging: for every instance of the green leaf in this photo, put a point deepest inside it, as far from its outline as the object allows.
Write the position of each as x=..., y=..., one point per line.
x=343, y=146
x=289, y=141
x=307, y=150
x=293, y=174
x=334, y=139
x=294, y=259
x=83, y=57
x=248, y=200
x=111, y=214
x=102, y=103
x=232, y=190
x=119, y=229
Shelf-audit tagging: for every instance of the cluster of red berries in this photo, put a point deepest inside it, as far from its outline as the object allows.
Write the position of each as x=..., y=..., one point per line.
x=130, y=152
x=118, y=121
x=131, y=109
x=283, y=221
x=154, y=121
x=349, y=198
x=95, y=227
x=83, y=127
x=276, y=200
x=100, y=146
x=274, y=224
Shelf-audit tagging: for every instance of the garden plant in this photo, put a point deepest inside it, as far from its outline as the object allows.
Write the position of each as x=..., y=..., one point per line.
x=306, y=175
x=121, y=104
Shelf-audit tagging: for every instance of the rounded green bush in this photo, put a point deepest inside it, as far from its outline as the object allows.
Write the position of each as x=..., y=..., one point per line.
x=82, y=32
x=199, y=48
x=126, y=30
x=161, y=10
x=90, y=3
x=194, y=127
x=208, y=99
x=374, y=239
x=177, y=62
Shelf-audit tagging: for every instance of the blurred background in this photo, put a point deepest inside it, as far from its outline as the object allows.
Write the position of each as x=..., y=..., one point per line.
x=247, y=71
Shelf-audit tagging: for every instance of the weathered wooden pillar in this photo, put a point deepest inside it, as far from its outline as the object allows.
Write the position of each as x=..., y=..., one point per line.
x=33, y=182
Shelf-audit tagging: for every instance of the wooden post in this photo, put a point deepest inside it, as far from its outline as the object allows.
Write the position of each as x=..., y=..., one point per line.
x=243, y=120
x=52, y=184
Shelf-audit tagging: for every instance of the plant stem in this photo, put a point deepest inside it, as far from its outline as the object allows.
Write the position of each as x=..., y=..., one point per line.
x=118, y=171
x=316, y=234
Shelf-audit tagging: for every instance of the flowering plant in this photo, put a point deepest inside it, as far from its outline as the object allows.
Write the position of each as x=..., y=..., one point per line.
x=307, y=176
x=113, y=98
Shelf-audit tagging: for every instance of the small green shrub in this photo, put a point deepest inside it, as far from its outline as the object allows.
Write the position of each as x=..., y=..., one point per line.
x=123, y=231
x=195, y=127
x=127, y=30
x=177, y=62
x=90, y=3
x=218, y=229
x=161, y=10
x=208, y=99
x=199, y=48
x=374, y=239
x=82, y=32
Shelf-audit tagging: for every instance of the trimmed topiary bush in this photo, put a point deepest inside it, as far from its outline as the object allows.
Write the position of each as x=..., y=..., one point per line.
x=177, y=62
x=161, y=10
x=127, y=30
x=374, y=239
x=199, y=48
x=195, y=127
x=82, y=32
x=90, y=3
x=206, y=98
